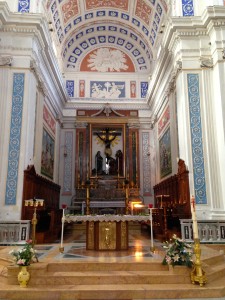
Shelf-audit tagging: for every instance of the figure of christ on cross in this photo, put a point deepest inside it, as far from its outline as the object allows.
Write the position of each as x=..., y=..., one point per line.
x=107, y=136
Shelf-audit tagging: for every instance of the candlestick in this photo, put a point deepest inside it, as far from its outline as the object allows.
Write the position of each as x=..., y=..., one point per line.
x=61, y=248
x=152, y=248
x=194, y=219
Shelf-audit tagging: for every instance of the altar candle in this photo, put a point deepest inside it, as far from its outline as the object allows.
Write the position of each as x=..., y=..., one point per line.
x=64, y=206
x=194, y=219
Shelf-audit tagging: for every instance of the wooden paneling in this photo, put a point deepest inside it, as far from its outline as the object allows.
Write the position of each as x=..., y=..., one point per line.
x=172, y=203
x=49, y=216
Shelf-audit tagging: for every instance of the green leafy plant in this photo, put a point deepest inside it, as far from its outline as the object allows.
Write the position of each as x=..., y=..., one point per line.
x=178, y=252
x=25, y=255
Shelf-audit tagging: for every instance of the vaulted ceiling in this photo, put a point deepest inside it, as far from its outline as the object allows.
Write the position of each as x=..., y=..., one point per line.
x=131, y=26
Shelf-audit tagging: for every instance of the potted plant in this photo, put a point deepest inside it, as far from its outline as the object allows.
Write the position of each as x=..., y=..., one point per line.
x=178, y=252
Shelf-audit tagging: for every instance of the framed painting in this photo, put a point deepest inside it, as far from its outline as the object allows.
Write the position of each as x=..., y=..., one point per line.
x=47, y=155
x=165, y=154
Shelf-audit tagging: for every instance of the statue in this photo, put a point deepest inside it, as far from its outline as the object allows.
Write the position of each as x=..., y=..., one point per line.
x=119, y=162
x=99, y=162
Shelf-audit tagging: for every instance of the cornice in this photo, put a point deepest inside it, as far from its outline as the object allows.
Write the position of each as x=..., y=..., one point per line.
x=98, y=106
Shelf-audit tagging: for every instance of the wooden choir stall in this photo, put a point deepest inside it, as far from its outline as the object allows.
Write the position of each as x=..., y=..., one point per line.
x=172, y=203
x=49, y=215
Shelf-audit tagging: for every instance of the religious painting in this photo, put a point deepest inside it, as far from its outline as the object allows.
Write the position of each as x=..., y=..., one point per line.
x=133, y=89
x=107, y=89
x=47, y=155
x=107, y=151
x=165, y=154
x=164, y=120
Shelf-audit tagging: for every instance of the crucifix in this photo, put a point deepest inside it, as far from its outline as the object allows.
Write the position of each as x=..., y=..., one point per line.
x=107, y=136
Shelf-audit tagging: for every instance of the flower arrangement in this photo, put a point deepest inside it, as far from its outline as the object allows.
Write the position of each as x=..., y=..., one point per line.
x=24, y=256
x=178, y=252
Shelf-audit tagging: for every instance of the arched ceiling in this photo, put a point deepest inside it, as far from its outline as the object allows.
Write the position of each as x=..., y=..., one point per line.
x=131, y=26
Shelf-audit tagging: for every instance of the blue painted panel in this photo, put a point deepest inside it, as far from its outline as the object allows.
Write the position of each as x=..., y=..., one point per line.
x=24, y=6
x=196, y=138
x=14, y=139
x=187, y=8
x=70, y=87
x=144, y=89
x=100, y=13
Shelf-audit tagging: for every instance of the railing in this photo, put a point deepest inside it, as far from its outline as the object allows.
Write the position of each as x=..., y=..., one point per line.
x=14, y=232
x=210, y=231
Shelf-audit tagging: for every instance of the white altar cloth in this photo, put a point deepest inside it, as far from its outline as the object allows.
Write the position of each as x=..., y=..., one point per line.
x=107, y=218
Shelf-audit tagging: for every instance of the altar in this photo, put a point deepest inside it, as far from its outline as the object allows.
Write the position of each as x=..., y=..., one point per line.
x=107, y=232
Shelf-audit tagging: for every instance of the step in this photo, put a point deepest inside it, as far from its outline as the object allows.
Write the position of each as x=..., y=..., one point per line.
x=107, y=277
x=102, y=266
x=114, y=292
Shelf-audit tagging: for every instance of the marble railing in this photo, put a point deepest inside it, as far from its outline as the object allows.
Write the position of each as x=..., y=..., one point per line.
x=14, y=232
x=209, y=231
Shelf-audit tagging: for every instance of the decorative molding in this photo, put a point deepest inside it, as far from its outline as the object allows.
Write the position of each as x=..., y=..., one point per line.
x=80, y=125
x=107, y=110
x=133, y=125
x=196, y=138
x=38, y=74
x=95, y=106
x=146, y=164
x=6, y=60
x=223, y=53
x=153, y=121
x=14, y=139
x=67, y=178
x=206, y=62
x=172, y=80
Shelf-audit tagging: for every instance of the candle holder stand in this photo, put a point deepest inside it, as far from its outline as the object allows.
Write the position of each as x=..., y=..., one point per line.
x=152, y=247
x=197, y=273
x=34, y=203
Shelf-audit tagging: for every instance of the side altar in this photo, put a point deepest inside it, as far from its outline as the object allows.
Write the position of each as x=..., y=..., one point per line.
x=107, y=232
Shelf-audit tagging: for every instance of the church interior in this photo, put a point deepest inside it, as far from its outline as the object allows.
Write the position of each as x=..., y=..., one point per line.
x=112, y=142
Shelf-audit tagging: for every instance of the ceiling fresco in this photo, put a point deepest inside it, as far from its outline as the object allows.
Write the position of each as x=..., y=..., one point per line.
x=81, y=27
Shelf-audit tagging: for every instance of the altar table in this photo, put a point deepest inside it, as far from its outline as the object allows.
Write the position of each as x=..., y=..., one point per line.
x=107, y=232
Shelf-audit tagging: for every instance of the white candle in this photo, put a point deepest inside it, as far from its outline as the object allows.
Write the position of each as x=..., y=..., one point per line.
x=194, y=219
x=63, y=220
x=151, y=228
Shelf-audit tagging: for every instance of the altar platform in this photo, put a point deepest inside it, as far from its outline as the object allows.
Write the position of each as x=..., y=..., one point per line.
x=132, y=274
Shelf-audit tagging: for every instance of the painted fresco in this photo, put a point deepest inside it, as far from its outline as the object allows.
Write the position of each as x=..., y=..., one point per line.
x=164, y=120
x=133, y=89
x=107, y=89
x=165, y=154
x=47, y=155
x=81, y=88
x=50, y=121
x=107, y=60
